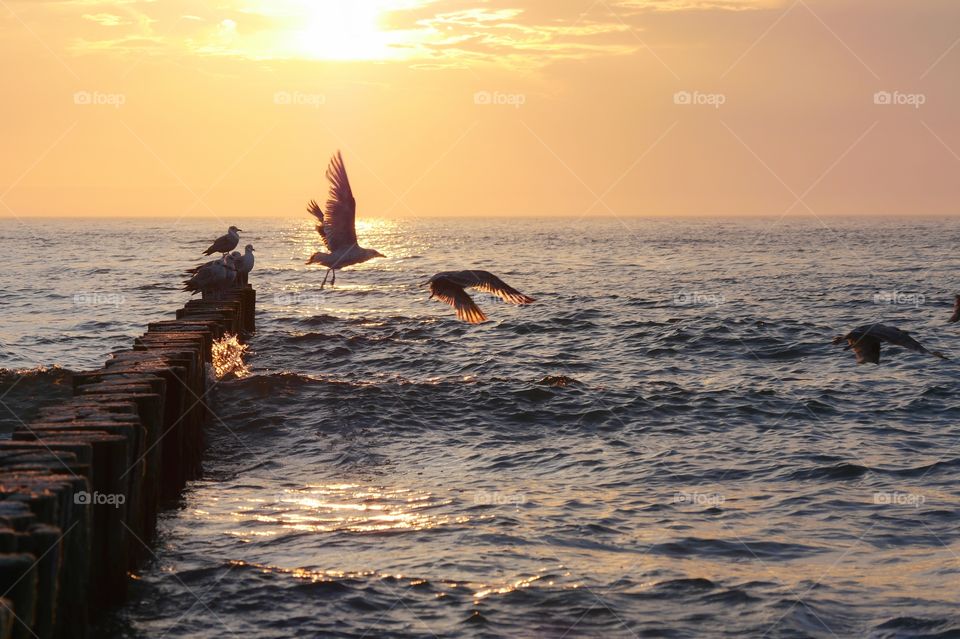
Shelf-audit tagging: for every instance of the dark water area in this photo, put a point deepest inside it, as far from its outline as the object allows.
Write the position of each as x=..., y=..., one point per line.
x=665, y=444
x=24, y=392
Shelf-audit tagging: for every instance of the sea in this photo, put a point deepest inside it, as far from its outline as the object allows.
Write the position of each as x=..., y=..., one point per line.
x=664, y=444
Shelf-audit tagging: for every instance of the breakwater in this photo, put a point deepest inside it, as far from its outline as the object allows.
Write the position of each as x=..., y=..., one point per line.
x=82, y=483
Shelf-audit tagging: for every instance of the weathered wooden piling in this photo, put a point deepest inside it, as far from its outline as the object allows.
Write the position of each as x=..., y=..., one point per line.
x=82, y=484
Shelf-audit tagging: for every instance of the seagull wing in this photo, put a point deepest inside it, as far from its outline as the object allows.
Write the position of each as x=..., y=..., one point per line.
x=314, y=209
x=339, y=219
x=901, y=338
x=222, y=244
x=454, y=295
x=866, y=348
x=490, y=283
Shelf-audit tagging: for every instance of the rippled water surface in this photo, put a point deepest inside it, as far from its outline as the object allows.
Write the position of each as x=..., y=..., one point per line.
x=664, y=445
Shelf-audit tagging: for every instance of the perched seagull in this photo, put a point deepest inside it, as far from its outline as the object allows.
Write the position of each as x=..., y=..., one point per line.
x=243, y=264
x=448, y=287
x=865, y=342
x=213, y=277
x=225, y=243
x=956, y=311
x=337, y=225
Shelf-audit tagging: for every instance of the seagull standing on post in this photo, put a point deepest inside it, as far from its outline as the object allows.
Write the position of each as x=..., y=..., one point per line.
x=243, y=264
x=337, y=225
x=225, y=243
x=212, y=278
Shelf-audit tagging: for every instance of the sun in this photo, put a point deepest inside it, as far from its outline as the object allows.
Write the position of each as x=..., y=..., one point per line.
x=347, y=30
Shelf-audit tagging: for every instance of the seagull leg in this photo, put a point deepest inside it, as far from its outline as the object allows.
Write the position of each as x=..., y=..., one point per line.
x=334, y=280
x=325, y=279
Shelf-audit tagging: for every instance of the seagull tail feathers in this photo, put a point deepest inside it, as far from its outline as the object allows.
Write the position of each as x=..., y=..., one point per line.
x=319, y=258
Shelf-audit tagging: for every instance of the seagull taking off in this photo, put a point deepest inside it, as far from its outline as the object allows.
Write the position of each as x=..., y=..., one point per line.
x=225, y=243
x=865, y=342
x=956, y=311
x=448, y=287
x=337, y=225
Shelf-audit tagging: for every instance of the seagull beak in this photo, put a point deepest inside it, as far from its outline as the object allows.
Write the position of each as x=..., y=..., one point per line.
x=240, y=231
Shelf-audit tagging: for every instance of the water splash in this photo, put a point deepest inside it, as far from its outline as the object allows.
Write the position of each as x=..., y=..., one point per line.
x=228, y=357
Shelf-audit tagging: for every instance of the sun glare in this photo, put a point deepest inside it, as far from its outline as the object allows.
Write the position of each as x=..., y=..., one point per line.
x=339, y=30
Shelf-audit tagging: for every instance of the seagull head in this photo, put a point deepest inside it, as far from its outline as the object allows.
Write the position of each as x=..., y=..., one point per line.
x=248, y=248
x=234, y=229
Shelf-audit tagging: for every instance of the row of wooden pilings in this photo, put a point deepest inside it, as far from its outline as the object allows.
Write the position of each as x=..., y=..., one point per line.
x=81, y=485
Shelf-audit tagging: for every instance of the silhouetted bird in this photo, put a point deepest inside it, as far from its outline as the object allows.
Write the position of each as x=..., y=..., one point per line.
x=212, y=278
x=956, y=311
x=243, y=264
x=865, y=342
x=225, y=243
x=448, y=287
x=337, y=225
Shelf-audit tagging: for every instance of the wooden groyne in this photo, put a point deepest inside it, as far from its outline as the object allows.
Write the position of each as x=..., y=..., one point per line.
x=81, y=485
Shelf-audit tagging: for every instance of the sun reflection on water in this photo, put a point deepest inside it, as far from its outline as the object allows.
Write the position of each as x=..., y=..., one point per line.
x=348, y=508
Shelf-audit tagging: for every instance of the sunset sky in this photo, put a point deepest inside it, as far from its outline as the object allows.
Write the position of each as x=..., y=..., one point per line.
x=232, y=108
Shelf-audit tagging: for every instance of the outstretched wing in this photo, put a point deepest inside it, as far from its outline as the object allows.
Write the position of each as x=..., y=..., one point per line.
x=314, y=209
x=339, y=219
x=454, y=295
x=901, y=338
x=490, y=283
x=896, y=337
x=866, y=347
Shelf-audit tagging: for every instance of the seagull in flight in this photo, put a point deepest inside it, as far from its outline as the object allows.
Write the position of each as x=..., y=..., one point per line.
x=337, y=225
x=865, y=342
x=448, y=287
x=225, y=243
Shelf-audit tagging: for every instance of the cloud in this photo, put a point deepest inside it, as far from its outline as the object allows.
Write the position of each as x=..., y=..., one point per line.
x=104, y=19
x=699, y=5
x=420, y=32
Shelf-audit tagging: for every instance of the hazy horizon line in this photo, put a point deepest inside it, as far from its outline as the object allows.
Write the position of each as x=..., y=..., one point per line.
x=531, y=216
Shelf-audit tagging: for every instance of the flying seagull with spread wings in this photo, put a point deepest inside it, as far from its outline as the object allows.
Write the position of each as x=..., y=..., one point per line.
x=448, y=287
x=865, y=342
x=337, y=225
x=225, y=243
